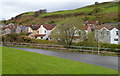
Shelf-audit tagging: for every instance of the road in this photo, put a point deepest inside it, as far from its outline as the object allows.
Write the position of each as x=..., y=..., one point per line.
x=104, y=61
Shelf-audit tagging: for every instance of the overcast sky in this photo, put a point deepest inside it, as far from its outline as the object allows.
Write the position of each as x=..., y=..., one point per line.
x=11, y=8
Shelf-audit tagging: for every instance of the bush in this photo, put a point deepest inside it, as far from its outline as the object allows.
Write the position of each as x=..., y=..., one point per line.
x=45, y=41
x=11, y=37
x=101, y=45
x=106, y=45
x=87, y=43
x=24, y=38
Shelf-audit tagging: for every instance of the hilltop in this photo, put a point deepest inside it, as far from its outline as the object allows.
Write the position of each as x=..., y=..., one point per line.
x=108, y=10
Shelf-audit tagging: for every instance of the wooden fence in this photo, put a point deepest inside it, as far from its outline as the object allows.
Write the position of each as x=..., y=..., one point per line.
x=96, y=50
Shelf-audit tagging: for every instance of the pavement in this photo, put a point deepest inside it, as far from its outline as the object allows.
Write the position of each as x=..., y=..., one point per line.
x=104, y=61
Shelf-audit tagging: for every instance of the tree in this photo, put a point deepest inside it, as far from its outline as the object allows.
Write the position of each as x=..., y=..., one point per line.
x=88, y=40
x=12, y=37
x=24, y=38
x=66, y=30
x=96, y=3
x=37, y=13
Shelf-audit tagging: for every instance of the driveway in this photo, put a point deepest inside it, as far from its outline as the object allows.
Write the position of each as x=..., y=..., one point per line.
x=104, y=61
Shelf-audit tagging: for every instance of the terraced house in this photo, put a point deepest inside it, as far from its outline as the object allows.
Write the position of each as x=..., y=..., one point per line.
x=41, y=31
x=8, y=29
x=33, y=31
x=108, y=33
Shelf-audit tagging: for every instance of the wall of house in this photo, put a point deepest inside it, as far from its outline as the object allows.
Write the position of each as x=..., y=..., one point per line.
x=114, y=36
x=42, y=30
x=48, y=32
x=26, y=30
x=18, y=30
x=30, y=29
x=7, y=31
x=103, y=35
x=44, y=37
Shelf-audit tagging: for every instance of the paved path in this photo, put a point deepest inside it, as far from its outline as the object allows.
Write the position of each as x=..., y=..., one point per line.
x=104, y=61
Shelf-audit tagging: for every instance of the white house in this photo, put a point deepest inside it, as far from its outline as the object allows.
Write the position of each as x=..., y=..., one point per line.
x=7, y=31
x=43, y=32
x=114, y=36
x=30, y=29
x=109, y=34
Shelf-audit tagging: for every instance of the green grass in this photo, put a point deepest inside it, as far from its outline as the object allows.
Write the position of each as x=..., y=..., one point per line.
x=23, y=62
x=111, y=10
x=108, y=7
x=0, y=60
x=66, y=51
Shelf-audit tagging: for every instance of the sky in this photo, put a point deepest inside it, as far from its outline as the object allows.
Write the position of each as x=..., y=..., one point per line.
x=11, y=8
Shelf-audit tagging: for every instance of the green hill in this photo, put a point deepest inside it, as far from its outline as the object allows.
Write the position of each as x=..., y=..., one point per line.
x=107, y=8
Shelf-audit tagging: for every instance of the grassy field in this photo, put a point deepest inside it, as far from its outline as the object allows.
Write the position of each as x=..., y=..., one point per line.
x=23, y=62
x=0, y=60
x=106, y=7
x=56, y=16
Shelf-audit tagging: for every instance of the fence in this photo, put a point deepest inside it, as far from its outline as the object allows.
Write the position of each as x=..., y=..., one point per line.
x=96, y=50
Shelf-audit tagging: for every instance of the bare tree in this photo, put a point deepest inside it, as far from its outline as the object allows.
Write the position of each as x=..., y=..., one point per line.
x=65, y=32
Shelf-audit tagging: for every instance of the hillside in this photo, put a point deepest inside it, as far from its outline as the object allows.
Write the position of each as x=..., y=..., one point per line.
x=107, y=9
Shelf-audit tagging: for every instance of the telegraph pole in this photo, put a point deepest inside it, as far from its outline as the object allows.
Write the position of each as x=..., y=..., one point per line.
x=98, y=45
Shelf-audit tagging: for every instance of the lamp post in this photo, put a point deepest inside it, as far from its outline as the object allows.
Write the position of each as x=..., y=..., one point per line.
x=98, y=45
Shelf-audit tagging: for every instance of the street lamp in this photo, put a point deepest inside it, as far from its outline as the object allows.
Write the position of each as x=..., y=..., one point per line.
x=98, y=45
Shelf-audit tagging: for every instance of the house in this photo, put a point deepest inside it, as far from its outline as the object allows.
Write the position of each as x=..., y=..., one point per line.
x=29, y=29
x=41, y=36
x=6, y=30
x=115, y=36
x=90, y=25
x=44, y=31
x=41, y=31
x=23, y=29
x=33, y=29
x=108, y=34
x=18, y=30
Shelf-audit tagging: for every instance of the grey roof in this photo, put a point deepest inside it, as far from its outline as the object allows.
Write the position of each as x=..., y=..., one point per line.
x=23, y=27
x=115, y=23
x=35, y=27
x=110, y=27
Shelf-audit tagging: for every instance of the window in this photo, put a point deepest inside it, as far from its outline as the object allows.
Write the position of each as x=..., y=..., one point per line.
x=116, y=32
x=115, y=39
x=37, y=31
x=45, y=31
x=41, y=37
x=107, y=32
